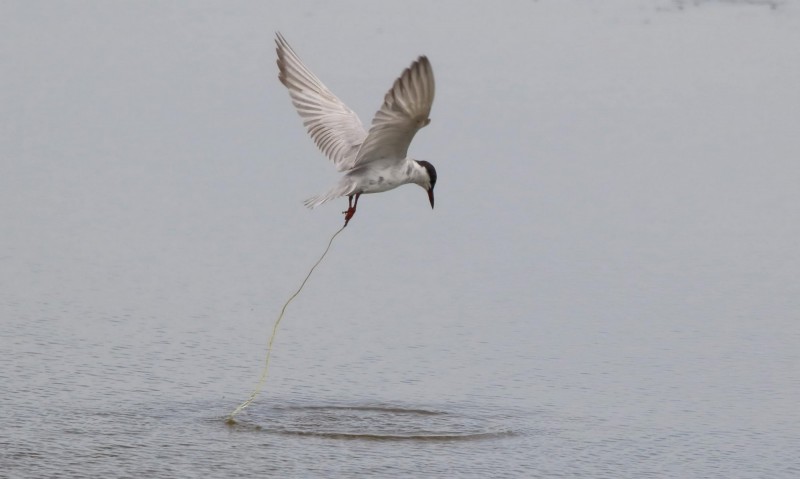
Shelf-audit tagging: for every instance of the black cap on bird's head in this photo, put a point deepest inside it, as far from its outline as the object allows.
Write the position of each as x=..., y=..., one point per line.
x=432, y=174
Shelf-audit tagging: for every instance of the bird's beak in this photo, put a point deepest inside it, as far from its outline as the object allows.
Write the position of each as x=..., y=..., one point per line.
x=430, y=196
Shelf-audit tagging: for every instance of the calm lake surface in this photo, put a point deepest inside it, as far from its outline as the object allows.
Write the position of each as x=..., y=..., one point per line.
x=609, y=285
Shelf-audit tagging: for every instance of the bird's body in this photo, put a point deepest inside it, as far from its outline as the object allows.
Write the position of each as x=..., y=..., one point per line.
x=374, y=177
x=372, y=161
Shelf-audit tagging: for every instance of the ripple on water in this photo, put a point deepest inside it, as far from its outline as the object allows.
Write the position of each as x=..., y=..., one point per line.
x=376, y=422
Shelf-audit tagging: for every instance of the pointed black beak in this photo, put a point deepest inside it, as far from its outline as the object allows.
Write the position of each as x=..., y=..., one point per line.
x=430, y=196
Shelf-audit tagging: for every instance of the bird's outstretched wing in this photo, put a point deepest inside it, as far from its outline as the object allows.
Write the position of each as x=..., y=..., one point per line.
x=405, y=110
x=333, y=126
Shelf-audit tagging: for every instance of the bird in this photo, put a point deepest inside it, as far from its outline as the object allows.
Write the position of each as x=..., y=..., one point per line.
x=374, y=160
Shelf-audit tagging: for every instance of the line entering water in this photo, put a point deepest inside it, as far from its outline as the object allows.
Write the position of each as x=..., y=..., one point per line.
x=265, y=371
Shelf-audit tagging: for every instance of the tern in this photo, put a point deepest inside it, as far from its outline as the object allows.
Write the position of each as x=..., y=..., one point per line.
x=373, y=160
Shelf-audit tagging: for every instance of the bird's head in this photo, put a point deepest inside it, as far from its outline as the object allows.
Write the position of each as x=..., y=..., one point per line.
x=431, y=179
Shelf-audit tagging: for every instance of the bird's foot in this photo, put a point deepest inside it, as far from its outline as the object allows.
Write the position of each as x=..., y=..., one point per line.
x=348, y=214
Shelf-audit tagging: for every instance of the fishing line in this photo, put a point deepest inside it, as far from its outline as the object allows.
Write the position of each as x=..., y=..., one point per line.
x=265, y=371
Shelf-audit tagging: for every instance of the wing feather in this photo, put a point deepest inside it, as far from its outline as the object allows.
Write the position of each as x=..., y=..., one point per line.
x=405, y=110
x=335, y=128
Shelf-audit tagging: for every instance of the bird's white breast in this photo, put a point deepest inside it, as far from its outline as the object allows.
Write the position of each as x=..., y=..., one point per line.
x=384, y=176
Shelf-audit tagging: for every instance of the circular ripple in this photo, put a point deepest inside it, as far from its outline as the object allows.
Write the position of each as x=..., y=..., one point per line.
x=379, y=423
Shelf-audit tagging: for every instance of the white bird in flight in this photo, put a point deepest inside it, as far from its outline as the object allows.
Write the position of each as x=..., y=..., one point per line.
x=372, y=161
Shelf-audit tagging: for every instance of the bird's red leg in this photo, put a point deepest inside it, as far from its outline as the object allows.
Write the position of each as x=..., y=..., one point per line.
x=351, y=208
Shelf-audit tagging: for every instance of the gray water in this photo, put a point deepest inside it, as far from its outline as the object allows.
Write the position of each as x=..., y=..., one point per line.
x=608, y=286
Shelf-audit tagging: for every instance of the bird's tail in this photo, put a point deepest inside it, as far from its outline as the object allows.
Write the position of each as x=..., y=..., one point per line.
x=342, y=189
x=315, y=201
